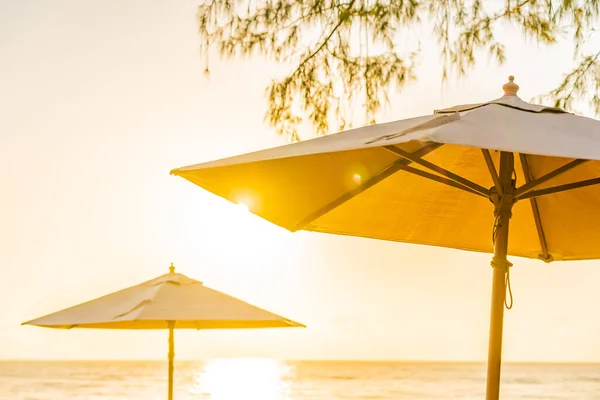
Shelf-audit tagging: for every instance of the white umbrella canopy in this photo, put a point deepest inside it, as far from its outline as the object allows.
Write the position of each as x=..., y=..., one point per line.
x=170, y=301
x=170, y=297
x=455, y=179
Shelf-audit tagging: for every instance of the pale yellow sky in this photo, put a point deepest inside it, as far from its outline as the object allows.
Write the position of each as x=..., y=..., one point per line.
x=101, y=99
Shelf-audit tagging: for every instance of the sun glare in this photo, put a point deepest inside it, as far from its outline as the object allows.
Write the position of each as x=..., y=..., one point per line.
x=242, y=207
x=243, y=378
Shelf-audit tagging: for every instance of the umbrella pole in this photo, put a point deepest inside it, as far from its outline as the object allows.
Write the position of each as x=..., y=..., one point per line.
x=171, y=325
x=503, y=203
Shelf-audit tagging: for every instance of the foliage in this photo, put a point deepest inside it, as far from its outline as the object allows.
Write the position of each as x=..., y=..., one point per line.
x=341, y=51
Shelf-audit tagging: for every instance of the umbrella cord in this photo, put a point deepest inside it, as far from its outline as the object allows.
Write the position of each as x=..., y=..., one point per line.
x=495, y=230
x=508, y=307
x=507, y=281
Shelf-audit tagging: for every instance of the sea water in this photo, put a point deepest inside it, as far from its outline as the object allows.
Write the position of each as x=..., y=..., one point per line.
x=266, y=379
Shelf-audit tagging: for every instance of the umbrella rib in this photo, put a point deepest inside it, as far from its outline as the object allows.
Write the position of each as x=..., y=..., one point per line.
x=398, y=165
x=440, y=179
x=492, y=168
x=529, y=186
x=442, y=171
x=535, y=209
x=560, y=188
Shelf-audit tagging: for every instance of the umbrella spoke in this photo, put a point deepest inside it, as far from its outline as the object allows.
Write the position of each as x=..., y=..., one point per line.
x=536, y=211
x=440, y=179
x=450, y=175
x=492, y=169
x=389, y=171
x=560, y=188
x=529, y=186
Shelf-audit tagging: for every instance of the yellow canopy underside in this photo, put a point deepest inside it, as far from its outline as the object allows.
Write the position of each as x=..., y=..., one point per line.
x=307, y=192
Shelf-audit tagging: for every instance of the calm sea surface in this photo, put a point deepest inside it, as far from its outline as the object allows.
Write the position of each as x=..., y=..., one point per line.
x=263, y=379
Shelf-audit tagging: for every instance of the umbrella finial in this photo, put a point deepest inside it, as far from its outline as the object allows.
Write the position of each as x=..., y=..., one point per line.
x=510, y=88
x=172, y=269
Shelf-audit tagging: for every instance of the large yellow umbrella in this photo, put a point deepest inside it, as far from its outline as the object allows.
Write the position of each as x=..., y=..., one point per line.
x=455, y=178
x=171, y=301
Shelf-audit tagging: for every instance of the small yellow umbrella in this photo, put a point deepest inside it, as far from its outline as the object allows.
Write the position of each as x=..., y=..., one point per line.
x=453, y=179
x=171, y=301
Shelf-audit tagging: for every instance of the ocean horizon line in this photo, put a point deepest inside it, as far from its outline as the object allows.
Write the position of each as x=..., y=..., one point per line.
x=307, y=360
